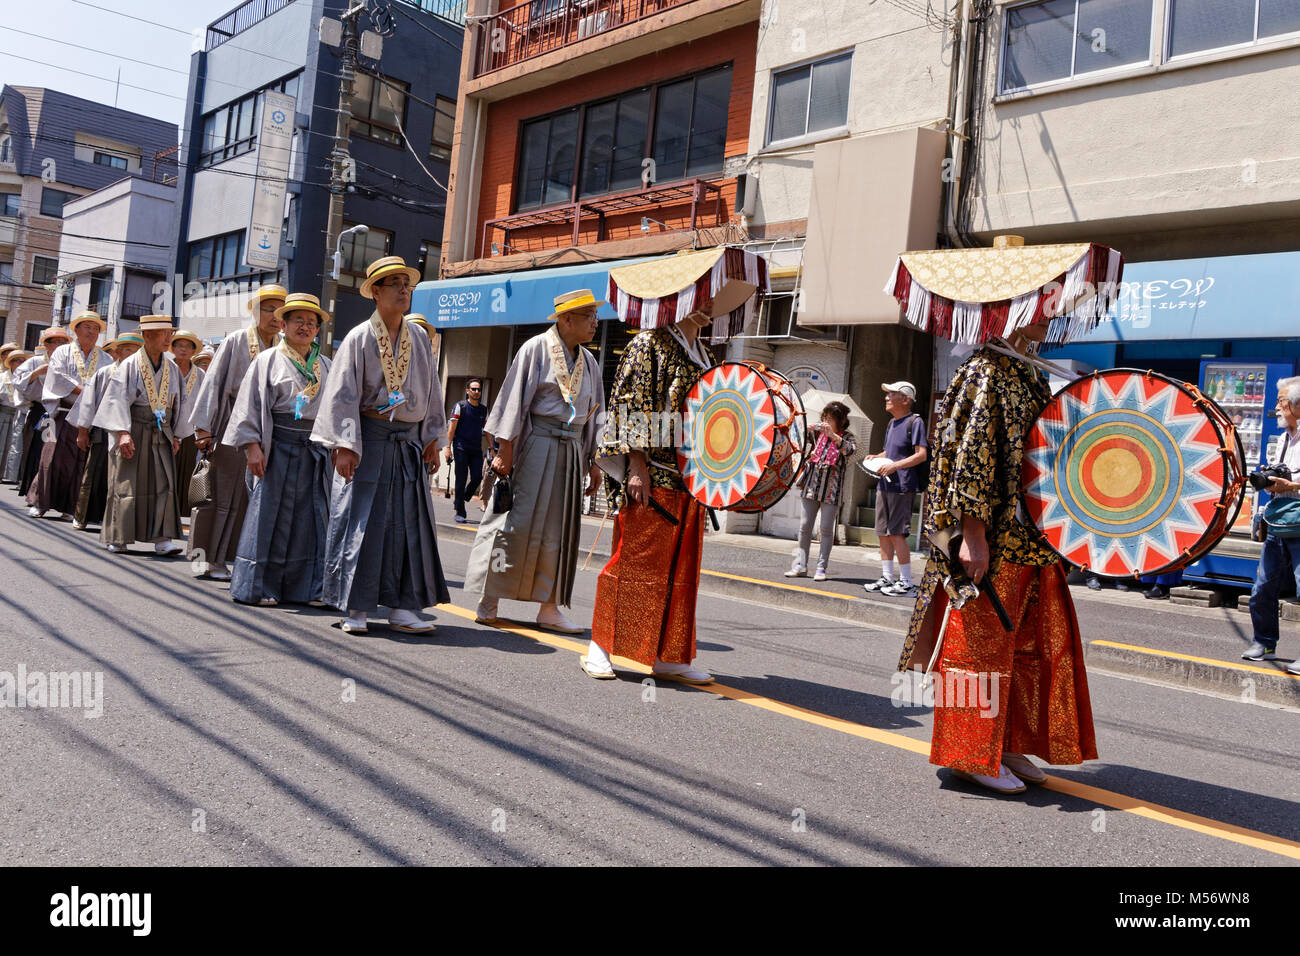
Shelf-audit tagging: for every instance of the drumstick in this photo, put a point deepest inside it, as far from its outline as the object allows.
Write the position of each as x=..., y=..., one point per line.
x=596, y=540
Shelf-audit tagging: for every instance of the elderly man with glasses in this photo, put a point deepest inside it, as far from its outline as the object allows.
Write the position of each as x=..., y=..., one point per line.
x=381, y=416
x=1279, y=560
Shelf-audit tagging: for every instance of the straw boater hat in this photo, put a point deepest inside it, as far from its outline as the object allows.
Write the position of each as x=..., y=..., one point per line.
x=156, y=323
x=203, y=355
x=579, y=299
x=301, y=302
x=16, y=357
x=130, y=338
x=188, y=337
x=54, y=332
x=6, y=349
x=382, y=269
x=266, y=292
x=88, y=316
x=423, y=323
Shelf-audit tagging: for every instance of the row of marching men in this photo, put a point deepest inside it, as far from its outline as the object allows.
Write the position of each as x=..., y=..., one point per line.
x=309, y=476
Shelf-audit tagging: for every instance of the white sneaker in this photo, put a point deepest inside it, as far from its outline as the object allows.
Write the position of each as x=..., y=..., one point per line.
x=1004, y=782
x=1294, y=667
x=1024, y=768
x=900, y=589
x=117, y=548
x=685, y=673
x=552, y=618
x=797, y=573
x=486, y=612
x=408, y=622
x=820, y=575
x=879, y=584
x=167, y=547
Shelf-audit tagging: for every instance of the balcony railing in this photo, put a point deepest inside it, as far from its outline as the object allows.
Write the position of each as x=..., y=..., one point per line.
x=540, y=26
x=701, y=196
x=240, y=19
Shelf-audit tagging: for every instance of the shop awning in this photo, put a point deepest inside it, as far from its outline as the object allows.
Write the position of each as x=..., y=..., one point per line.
x=511, y=298
x=1224, y=297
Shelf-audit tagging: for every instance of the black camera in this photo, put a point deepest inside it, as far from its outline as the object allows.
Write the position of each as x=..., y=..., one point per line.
x=1259, y=480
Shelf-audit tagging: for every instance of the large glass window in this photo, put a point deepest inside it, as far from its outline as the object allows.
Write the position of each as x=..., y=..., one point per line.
x=232, y=129
x=444, y=128
x=1060, y=39
x=613, y=143
x=359, y=251
x=10, y=203
x=810, y=98
x=546, y=164
x=44, y=270
x=112, y=160
x=1196, y=25
x=52, y=201
x=378, y=108
x=219, y=257
x=691, y=126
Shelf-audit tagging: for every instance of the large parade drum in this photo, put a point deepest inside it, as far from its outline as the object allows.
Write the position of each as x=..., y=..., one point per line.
x=1128, y=472
x=743, y=435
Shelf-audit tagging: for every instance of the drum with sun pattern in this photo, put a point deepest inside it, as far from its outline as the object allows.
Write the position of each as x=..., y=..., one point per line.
x=1128, y=472
x=742, y=437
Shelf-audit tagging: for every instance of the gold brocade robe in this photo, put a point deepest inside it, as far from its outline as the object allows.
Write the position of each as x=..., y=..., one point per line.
x=983, y=421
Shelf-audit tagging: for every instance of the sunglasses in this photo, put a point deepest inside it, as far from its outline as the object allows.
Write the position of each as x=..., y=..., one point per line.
x=475, y=389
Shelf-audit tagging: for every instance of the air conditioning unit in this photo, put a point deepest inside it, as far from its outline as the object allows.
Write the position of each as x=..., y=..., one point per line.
x=593, y=23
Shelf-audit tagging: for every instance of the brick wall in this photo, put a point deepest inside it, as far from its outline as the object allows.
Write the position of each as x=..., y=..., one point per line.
x=502, y=127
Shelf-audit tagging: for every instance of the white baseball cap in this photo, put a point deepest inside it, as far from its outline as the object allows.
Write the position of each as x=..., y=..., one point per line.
x=907, y=388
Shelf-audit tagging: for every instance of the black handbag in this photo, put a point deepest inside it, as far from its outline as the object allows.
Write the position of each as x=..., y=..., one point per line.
x=201, y=483
x=502, y=496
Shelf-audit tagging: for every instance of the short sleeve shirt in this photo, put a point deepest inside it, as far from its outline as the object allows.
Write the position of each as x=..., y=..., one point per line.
x=469, y=421
x=902, y=437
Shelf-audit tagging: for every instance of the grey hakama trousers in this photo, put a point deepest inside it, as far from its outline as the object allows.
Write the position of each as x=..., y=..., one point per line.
x=214, y=528
x=30, y=460
x=58, y=476
x=381, y=548
x=282, y=546
x=6, y=439
x=142, y=488
x=93, y=496
x=530, y=553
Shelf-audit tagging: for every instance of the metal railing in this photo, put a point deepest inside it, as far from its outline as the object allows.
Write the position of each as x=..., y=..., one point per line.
x=535, y=27
x=240, y=19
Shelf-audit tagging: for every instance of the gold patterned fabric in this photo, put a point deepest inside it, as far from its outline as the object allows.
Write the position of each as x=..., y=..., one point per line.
x=653, y=378
x=660, y=278
x=983, y=421
x=991, y=275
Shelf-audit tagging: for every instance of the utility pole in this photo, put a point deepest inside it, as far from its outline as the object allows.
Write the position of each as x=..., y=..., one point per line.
x=342, y=170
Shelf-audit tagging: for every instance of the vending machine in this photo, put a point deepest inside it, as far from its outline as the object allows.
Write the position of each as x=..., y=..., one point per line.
x=1246, y=391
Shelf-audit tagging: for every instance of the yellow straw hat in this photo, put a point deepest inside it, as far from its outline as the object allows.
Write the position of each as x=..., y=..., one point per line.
x=54, y=332
x=16, y=357
x=154, y=323
x=88, y=316
x=188, y=337
x=7, y=348
x=382, y=269
x=579, y=299
x=423, y=323
x=301, y=302
x=267, y=292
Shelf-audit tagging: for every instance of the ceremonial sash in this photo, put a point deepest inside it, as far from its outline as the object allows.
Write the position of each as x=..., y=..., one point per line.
x=307, y=370
x=85, y=369
x=570, y=381
x=395, y=367
x=157, y=394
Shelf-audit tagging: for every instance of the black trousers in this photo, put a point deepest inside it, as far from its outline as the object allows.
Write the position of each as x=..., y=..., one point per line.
x=469, y=474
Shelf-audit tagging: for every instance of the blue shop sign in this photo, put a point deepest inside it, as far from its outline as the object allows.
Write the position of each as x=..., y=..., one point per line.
x=511, y=298
x=1224, y=297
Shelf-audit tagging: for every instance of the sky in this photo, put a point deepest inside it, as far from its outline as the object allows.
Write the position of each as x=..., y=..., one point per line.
x=111, y=40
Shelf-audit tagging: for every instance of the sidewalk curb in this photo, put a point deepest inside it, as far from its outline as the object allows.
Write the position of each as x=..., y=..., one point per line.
x=1222, y=678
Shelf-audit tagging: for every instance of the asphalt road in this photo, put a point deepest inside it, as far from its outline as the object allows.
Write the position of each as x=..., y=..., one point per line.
x=236, y=735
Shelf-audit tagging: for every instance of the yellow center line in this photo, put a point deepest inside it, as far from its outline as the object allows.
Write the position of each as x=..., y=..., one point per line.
x=1108, y=798
x=1200, y=660
x=778, y=584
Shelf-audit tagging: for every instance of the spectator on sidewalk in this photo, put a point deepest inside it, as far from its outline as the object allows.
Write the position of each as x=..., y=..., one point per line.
x=900, y=479
x=1280, y=556
x=819, y=487
x=466, y=443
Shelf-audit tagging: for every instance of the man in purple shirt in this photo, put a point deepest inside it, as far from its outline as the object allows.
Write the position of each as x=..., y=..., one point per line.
x=900, y=480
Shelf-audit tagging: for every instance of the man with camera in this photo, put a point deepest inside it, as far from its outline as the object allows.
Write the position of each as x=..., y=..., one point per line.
x=1281, y=554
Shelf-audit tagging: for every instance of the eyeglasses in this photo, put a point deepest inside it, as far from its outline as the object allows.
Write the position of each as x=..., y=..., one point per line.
x=310, y=321
x=472, y=389
x=397, y=282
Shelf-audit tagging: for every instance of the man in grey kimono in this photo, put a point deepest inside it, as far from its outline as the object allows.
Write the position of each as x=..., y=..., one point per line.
x=8, y=403
x=382, y=418
x=92, y=498
x=214, y=528
x=29, y=381
x=72, y=366
x=546, y=420
x=12, y=362
x=143, y=415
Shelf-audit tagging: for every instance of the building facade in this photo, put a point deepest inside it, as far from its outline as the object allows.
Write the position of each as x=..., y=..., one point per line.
x=400, y=130
x=54, y=148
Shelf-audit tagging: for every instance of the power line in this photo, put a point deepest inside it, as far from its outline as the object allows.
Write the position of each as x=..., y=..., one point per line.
x=426, y=28
x=93, y=76
x=152, y=23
